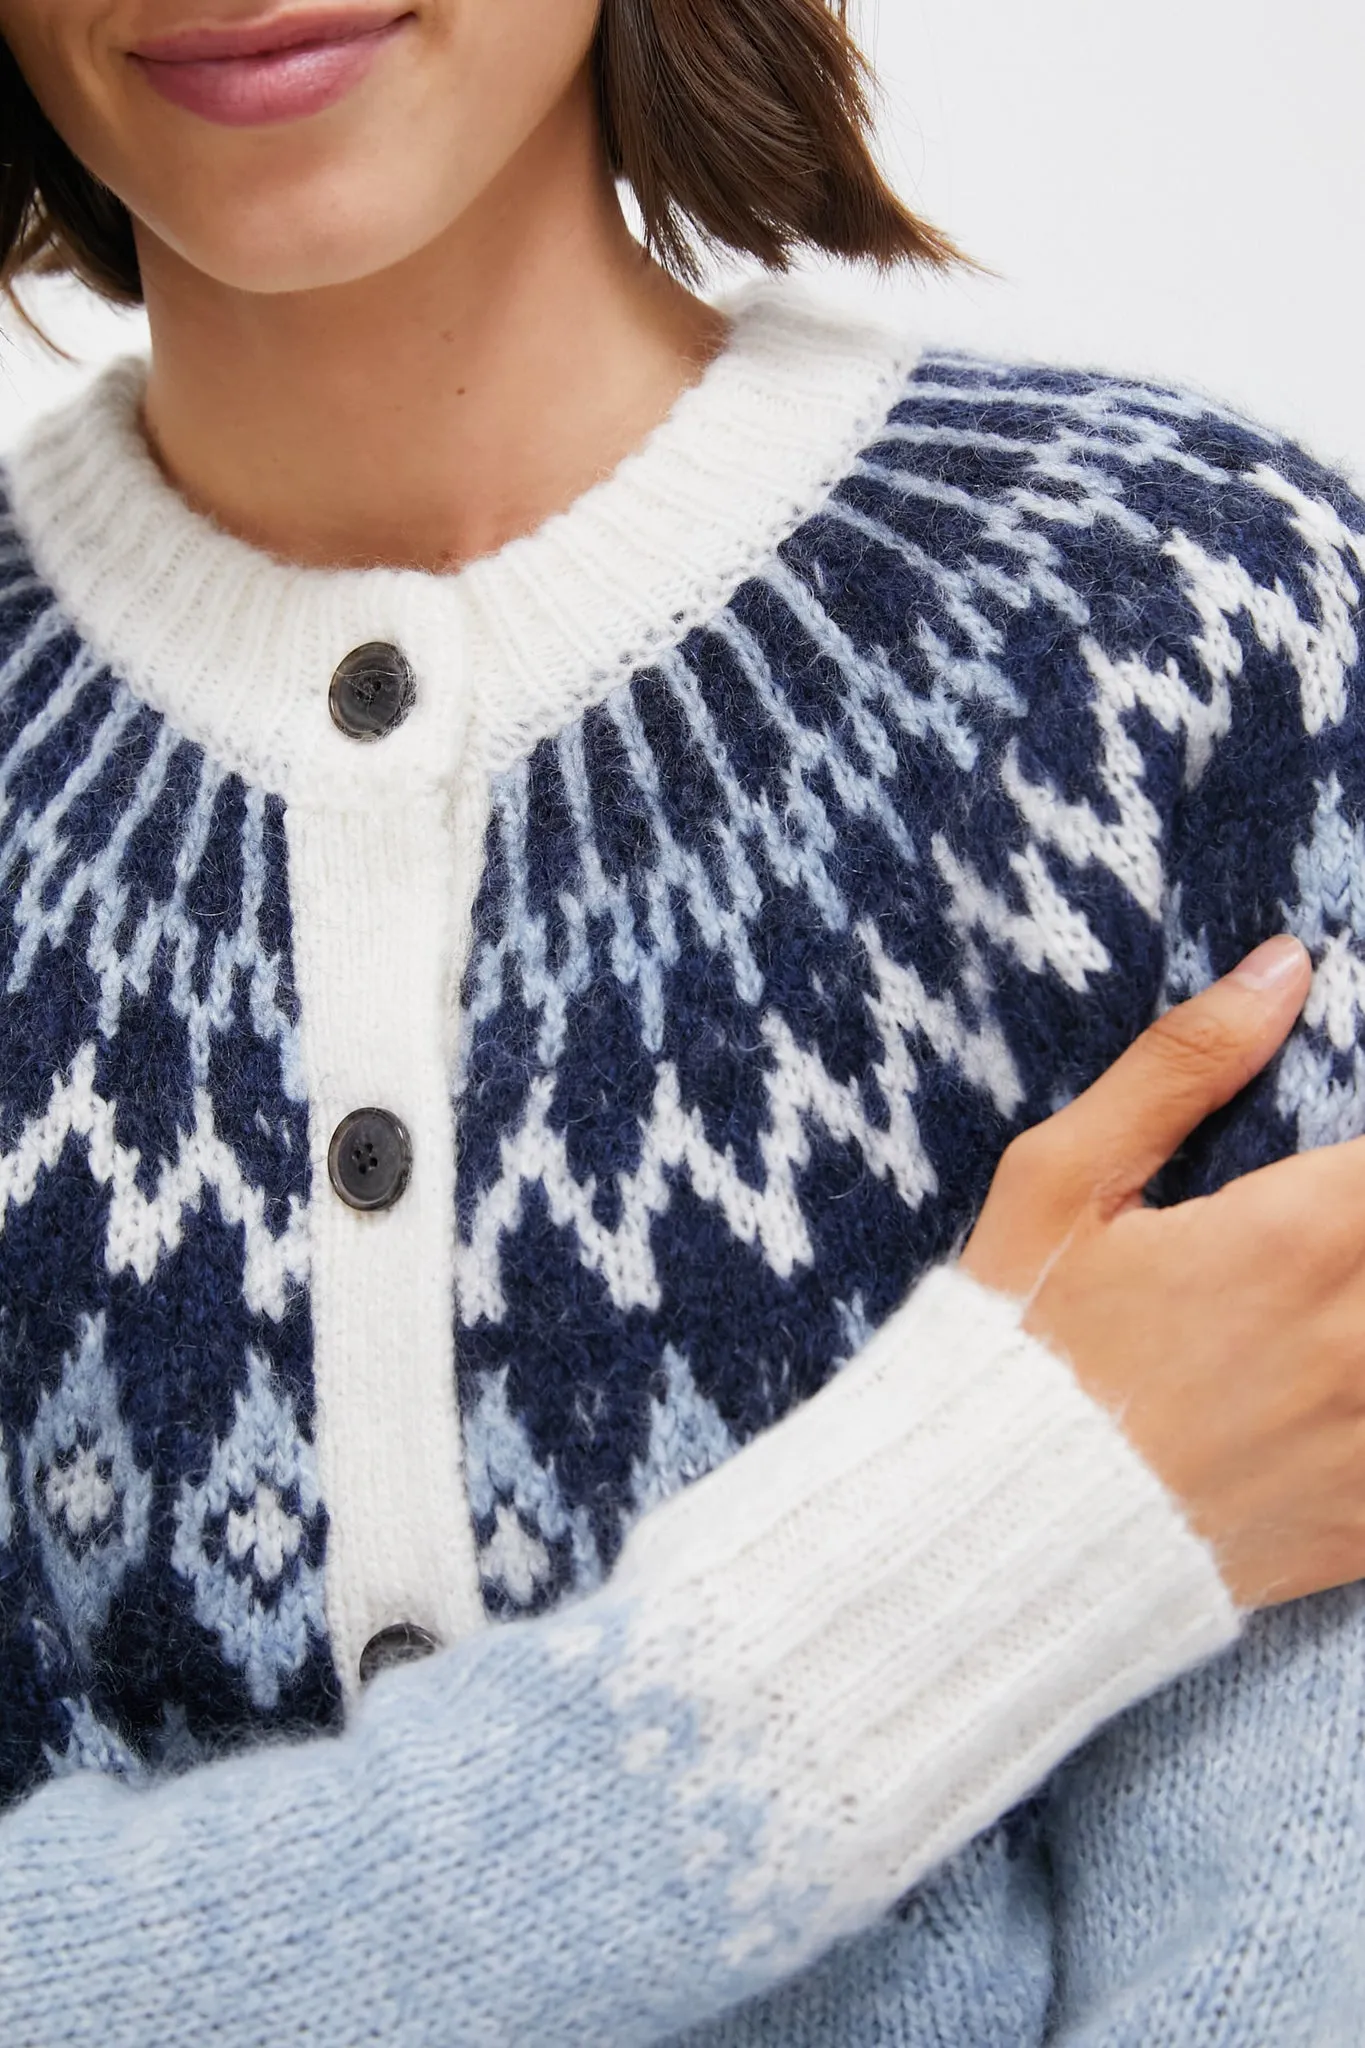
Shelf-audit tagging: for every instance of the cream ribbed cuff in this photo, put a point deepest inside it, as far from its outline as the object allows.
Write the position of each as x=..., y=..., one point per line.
x=913, y=1597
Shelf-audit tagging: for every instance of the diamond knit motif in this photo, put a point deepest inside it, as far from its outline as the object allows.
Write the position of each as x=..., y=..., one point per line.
x=528, y=1538
x=249, y=1540
x=154, y=1196
x=778, y=945
x=687, y=1439
x=88, y=1500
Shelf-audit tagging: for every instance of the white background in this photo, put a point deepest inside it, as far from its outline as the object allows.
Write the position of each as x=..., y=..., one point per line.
x=1171, y=187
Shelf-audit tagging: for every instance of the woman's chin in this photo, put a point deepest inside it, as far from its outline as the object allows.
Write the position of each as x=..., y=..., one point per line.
x=278, y=243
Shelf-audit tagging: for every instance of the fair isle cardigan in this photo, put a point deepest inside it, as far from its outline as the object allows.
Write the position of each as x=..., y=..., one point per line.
x=829, y=794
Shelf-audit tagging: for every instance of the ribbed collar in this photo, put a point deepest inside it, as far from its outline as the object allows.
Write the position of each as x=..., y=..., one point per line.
x=238, y=648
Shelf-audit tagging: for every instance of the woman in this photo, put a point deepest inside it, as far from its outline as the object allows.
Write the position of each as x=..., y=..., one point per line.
x=715, y=871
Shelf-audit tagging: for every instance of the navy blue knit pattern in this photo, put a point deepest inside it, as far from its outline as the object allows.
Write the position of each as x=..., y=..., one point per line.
x=161, y=1537
x=1051, y=714
x=1041, y=721
x=1046, y=716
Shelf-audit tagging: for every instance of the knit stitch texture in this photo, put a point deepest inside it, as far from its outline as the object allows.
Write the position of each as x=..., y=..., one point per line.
x=1049, y=716
x=1042, y=717
x=162, y=1580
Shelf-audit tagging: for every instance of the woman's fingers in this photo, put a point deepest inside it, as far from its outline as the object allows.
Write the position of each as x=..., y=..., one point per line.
x=1226, y=1335
x=1093, y=1158
x=1186, y=1065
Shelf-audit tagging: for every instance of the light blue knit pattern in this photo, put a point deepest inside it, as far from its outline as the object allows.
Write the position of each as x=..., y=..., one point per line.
x=1050, y=712
x=539, y=1783
x=267, y=1464
x=161, y=1537
x=88, y=1499
x=1208, y=1852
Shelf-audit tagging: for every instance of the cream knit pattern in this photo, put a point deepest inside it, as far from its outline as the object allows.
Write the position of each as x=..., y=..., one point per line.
x=812, y=805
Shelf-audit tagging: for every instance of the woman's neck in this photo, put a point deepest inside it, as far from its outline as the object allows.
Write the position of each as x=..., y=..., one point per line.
x=425, y=416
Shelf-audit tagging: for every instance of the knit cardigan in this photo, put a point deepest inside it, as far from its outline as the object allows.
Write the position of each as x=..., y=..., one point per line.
x=830, y=793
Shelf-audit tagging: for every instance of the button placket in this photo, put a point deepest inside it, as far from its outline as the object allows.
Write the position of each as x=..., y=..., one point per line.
x=369, y=1160
x=372, y=861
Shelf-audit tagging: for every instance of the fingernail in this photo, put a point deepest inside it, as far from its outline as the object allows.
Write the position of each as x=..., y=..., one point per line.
x=1278, y=960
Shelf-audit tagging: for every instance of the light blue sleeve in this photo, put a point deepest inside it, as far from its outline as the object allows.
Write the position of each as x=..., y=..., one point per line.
x=1208, y=1851
x=1208, y=1847
x=471, y=1862
x=807, y=1685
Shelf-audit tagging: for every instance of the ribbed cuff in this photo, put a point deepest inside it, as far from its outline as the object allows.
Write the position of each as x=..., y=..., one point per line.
x=921, y=1591
x=817, y=1673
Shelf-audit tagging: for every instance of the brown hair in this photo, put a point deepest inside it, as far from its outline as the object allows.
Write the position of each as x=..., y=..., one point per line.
x=739, y=124
x=743, y=124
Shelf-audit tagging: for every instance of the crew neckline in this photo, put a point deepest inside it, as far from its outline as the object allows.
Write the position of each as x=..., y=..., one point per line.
x=237, y=648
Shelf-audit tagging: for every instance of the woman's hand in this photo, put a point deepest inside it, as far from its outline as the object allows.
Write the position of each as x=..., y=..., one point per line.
x=1226, y=1335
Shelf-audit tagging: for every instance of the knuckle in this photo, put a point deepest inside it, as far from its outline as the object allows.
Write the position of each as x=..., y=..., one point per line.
x=1043, y=1167
x=1191, y=1042
x=1032, y=1159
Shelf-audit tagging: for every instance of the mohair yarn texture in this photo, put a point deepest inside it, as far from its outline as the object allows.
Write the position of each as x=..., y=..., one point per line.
x=148, y=1018
x=1047, y=711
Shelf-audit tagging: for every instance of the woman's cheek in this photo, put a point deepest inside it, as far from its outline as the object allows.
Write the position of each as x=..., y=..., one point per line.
x=325, y=197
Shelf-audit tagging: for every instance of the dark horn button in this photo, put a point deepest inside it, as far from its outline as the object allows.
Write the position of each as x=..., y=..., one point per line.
x=369, y=1159
x=372, y=691
x=403, y=1642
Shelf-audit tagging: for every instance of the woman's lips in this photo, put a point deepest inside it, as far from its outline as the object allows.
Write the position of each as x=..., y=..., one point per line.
x=308, y=68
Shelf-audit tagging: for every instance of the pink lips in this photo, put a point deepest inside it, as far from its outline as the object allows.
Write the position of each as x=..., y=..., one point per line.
x=276, y=71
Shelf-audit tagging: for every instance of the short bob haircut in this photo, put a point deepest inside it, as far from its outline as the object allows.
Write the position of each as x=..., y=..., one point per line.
x=740, y=125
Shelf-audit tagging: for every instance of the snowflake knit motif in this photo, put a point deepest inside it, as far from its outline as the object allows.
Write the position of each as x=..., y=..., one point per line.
x=153, y=1244
x=1040, y=722
x=1048, y=713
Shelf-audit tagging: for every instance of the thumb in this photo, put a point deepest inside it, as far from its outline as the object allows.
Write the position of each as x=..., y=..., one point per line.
x=1186, y=1065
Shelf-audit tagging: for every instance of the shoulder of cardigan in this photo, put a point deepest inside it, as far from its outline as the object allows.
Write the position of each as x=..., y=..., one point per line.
x=237, y=648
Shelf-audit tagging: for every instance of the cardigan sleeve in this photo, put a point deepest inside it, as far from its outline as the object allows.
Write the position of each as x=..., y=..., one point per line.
x=1205, y=1849
x=814, y=1675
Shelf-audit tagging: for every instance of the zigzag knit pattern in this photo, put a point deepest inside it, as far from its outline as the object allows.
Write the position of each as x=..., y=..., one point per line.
x=1051, y=715
x=1041, y=722
x=1048, y=714
x=161, y=1571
